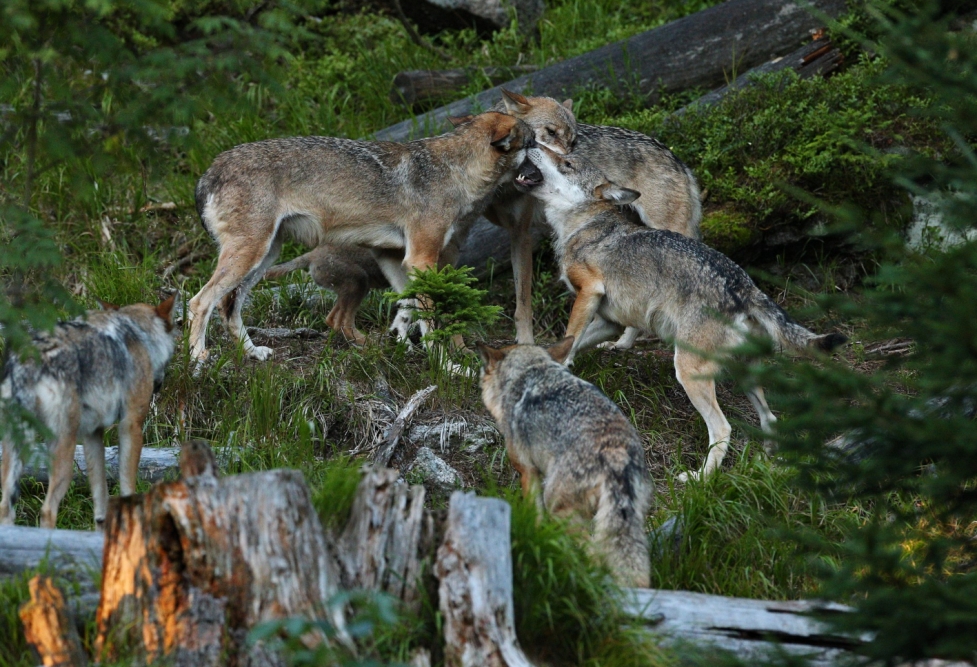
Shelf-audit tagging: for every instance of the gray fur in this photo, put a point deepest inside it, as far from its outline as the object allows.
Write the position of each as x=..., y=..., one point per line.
x=91, y=373
x=590, y=456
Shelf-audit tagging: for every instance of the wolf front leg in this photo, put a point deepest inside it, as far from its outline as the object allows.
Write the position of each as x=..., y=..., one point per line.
x=521, y=241
x=95, y=468
x=10, y=470
x=589, y=296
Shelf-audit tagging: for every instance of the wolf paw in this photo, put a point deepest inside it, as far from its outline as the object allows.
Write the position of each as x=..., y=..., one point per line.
x=686, y=477
x=260, y=353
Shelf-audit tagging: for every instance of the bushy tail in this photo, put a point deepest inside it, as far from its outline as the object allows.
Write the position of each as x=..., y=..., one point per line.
x=619, y=529
x=279, y=270
x=782, y=328
x=696, y=198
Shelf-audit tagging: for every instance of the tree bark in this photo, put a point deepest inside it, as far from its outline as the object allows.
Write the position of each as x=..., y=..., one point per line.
x=474, y=566
x=420, y=85
x=388, y=538
x=49, y=628
x=699, y=50
x=192, y=566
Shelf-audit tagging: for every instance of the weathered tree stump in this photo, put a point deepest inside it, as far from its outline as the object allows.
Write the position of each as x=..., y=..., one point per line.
x=388, y=537
x=191, y=566
x=474, y=567
x=49, y=628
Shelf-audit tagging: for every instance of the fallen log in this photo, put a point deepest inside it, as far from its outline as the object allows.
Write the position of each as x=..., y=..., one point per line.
x=474, y=566
x=817, y=58
x=191, y=566
x=696, y=51
x=421, y=85
x=385, y=449
x=49, y=628
x=155, y=463
x=748, y=628
x=73, y=554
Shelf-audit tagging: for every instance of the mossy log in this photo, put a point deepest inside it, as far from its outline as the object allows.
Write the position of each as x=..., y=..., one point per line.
x=696, y=51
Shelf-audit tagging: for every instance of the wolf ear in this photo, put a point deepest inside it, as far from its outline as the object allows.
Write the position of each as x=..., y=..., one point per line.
x=165, y=309
x=106, y=305
x=515, y=104
x=615, y=194
x=568, y=105
x=490, y=355
x=502, y=135
x=559, y=351
x=459, y=120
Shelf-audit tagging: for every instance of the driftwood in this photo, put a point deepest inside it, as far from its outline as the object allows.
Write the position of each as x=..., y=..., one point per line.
x=421, y=85
x=743, y=626
x=699, y=50
x=392, y=435
x=474, y=566
x=814, y=59
x=155, y=463
x=49, y=628
x=191, y=566
x=388, y=538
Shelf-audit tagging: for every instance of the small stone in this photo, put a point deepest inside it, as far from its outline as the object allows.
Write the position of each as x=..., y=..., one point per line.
x=468, y=437
x=435, y=471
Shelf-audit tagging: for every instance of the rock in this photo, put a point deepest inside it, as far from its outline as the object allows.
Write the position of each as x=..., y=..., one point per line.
x=468, y=437
x=486, y=16
x=434, y=471
x=928, y=230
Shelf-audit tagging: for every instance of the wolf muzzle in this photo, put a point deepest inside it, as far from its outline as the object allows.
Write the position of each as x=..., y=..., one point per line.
x=529, y=176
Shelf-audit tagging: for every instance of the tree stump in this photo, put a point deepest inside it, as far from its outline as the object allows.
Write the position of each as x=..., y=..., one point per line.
x=388, y=537
x=49, y=628
x=474, y=567
x=192, y=566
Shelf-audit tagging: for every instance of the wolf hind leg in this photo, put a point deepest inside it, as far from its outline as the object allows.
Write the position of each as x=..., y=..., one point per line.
x=767, y=417
x=59, y=474
x=697, y=377
x=10, y=470
x=233, y=303
x=95, y=468
x=625, y=342
x=600, y=331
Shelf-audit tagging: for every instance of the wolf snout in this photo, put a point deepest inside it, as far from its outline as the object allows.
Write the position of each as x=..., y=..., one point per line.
x=529, y=175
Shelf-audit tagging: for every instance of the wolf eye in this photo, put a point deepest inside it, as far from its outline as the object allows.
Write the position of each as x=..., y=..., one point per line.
x=550, y=131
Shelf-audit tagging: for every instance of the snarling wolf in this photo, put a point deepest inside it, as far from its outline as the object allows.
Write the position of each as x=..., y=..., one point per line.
x=382, y=195
x=670, y=194
x=626, y=275
x=91, y=373
x=564, y=430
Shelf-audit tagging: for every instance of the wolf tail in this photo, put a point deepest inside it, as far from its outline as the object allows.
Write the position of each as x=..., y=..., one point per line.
x=619, y=531
x=279, y=270
x=782, y=328
x=695, y=197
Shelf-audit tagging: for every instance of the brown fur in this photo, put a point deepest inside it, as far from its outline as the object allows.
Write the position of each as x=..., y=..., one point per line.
x=378, y=194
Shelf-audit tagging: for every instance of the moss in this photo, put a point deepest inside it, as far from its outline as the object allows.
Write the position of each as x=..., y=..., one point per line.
x=727, y=230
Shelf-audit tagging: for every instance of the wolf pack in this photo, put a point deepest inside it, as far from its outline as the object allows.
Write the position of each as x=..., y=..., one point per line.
x=623, y=212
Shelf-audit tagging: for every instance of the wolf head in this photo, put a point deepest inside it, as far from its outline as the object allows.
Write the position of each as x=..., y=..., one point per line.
x=155, y=324
x=500, y=366
x=507, y=137
x=552, y=121
x=564, y=182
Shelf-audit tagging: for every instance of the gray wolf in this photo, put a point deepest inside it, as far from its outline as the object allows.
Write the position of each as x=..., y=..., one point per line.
x=591, y=460
x=626, y=275
x=91, y=373
x=670, y=194
x=411, y=197
x=349, y=271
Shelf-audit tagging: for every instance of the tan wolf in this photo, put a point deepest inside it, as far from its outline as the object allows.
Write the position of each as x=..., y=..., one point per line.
x=384, y=195
x=626, y=275
x=91, y=373
x=670, y=194
x=591, y=460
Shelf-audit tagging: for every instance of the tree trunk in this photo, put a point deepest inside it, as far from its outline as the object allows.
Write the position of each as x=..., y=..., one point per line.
x=699, y=50
x=388, y=538
x=420, y=85
x=192, y=566
x=49, y=628
x=474, y=566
